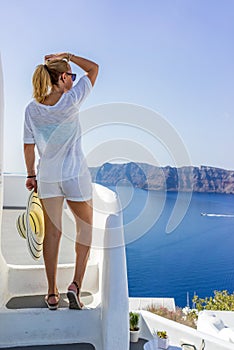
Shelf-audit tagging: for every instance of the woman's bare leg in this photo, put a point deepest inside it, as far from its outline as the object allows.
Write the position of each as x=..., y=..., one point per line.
x=83, y=213
x=52, y=209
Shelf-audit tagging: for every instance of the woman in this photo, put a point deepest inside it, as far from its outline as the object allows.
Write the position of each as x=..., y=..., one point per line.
x=52, y=124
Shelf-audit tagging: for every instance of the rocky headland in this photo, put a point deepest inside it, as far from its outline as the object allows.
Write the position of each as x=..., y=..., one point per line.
x=149, y=177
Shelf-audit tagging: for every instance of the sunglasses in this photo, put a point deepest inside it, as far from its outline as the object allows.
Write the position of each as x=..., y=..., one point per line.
x=73, y=75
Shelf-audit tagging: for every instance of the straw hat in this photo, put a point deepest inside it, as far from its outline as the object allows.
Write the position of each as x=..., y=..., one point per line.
x=30, y=225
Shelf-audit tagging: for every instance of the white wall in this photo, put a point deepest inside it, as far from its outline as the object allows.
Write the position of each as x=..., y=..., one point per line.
x=3, y=265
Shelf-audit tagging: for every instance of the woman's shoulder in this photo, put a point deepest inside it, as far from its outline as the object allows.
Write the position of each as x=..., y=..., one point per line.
x=30, y=105
x=81, y=90
x=83, y=82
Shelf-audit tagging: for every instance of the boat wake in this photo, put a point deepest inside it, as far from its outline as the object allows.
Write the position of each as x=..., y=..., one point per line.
x=219, y=215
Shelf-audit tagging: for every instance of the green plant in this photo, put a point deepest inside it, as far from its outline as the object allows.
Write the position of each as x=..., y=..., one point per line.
x=162, y=334
x=222, y=300
x=134, y=321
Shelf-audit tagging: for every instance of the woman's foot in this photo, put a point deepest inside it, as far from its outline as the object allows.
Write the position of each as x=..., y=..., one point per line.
x=52, y=301
x=74, y=297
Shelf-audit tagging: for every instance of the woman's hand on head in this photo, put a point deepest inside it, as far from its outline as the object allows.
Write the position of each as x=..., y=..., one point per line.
x=56, y=56
x=31, y=183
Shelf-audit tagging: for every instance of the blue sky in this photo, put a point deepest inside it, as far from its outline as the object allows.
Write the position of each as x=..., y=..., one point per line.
x=175, y=57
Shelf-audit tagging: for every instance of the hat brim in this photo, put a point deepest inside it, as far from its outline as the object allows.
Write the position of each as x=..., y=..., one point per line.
x=35, y=226
x=21, y=225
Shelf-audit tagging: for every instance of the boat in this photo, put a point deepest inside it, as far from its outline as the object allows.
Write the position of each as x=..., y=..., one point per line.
x=104, y=323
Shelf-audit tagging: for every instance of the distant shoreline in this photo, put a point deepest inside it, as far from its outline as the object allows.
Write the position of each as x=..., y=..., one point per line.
x=203, y=179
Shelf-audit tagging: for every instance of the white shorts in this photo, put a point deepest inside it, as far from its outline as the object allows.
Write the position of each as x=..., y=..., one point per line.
x=77, y=189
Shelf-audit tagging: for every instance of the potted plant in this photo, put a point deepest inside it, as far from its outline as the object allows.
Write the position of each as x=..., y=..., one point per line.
x=163, y=341
x=134, y=326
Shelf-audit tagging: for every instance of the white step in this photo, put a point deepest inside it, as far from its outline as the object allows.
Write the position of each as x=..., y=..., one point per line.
x=24, y=327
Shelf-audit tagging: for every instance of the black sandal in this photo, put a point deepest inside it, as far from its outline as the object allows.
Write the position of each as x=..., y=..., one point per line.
x=52, y=306
x=74, y=302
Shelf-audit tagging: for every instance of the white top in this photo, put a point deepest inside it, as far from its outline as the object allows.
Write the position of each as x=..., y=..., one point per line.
x=56, y=131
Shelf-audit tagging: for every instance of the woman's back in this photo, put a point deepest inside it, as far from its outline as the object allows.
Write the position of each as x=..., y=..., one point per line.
x=57, y=133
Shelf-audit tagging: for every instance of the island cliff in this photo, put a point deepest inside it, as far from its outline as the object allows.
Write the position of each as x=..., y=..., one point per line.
x=149, y=177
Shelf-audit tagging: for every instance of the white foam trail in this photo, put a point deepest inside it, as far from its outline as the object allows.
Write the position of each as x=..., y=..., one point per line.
x=219, y=215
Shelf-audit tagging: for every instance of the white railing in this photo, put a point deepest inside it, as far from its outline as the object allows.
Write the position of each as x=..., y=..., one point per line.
x=114, y=286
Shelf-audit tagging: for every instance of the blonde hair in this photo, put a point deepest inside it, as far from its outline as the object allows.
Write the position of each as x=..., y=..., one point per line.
x=45, y=76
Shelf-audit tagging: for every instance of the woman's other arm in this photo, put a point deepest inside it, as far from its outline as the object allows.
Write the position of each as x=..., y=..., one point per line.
x=29, y=156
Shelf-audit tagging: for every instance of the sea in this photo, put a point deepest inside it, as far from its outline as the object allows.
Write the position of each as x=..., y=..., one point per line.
x=196, y=257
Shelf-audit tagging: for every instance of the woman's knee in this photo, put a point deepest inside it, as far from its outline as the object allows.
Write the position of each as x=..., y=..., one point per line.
x=89, y=218
x=53, y=232
x=88, y=215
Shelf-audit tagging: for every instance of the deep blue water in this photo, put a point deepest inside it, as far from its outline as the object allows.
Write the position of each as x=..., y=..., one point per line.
x=198, y=256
